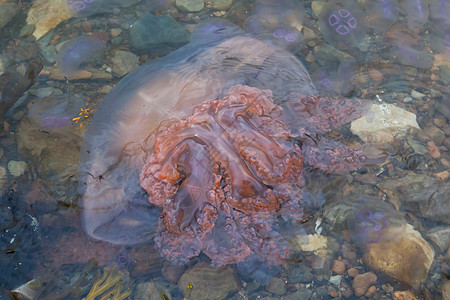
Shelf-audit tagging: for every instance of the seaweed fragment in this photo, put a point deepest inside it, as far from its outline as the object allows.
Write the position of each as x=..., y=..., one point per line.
x=108, y=286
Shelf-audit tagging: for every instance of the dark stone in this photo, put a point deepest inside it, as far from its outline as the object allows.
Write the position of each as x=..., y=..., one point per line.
x=300, y=274
x=159, y=34
x=303, y=294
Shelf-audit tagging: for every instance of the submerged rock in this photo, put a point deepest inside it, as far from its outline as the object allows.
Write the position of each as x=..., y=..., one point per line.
x=440, y=236
x=407, y=258
x=208, y=282
x=158, y=33
x=8, y=11
x=17, y=168
x=362, y=282
x=190, y=5
x=47, y=14
x=383, y=122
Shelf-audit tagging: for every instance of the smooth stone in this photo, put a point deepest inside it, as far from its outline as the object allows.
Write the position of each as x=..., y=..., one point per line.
x=317, y=6
x=407, y=99
x=440, y=236
x=383, y=122
x=300, y=274
x=277, y=287
x=17, y=168
x=417, y=95
x=5, y=62
x=124, y=62
x=328, y=55
x=47, y=14
x=158, y=33
x=400, y=189
x=432, y=202
x=315, y=243
x=445, y=289
x=436, y=134
x=444, y=74
x=3, y=181
x=208, y=282
x=8, y=11
x=336, y=280
x=26, y=30
x=220, y=4
x=303, y=294
x=407, y=257
x=118, y=40
x=338, y=267
x=151, y=291
x=116, y=32
x=190, y=5
x=45, y=92
x=49, y=53
x=362, y=282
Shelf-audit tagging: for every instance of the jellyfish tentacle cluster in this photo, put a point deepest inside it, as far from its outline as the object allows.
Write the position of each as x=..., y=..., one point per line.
x=226, y=173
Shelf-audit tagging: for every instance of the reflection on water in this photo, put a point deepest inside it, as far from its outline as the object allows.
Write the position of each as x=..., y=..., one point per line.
x=250, y=186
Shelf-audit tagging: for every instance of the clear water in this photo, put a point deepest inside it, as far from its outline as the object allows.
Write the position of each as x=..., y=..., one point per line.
x=76, y=135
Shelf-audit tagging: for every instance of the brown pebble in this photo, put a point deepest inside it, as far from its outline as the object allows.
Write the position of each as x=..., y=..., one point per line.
x=333, y=294
x=86, y=25
x=446, y=142
x=346, y=235
x=404, y=295
x=445, y=163
x=362, y=282
x=442, y=176
x=370, y=291
x=433, y=150
x=375, y=75
x=346, y=290
x=338, y=267
x=116, y=32
x=352, y=272
x=387, y=288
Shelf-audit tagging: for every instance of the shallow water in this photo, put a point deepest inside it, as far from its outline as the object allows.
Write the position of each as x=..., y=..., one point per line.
x=366, y=216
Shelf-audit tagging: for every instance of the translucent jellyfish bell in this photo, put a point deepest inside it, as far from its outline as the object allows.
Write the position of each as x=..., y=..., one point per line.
x=342, y=23
x=278, y=22
x=382, y=14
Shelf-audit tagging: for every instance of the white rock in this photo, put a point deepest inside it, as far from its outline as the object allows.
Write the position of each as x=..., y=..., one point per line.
x=383, y=122
x=17, y=168
x=313, y=243
x=47, y=14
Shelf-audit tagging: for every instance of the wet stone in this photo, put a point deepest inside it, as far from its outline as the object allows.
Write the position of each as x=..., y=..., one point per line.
x=17, y=168
x=352, y=272
x=336, y=280
x=158, y=33
x=407, y=257
x=338, y=267
x=321, y=265
x=190, y=5
x=299, y=294
x=444, y=73
x=277, y=287
x=151, y=291
x=440, y=236
x=8, y=11
x=300, y=274
x=124, y=62
x=220, y=4
x=362, y=282
x=208, y=282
